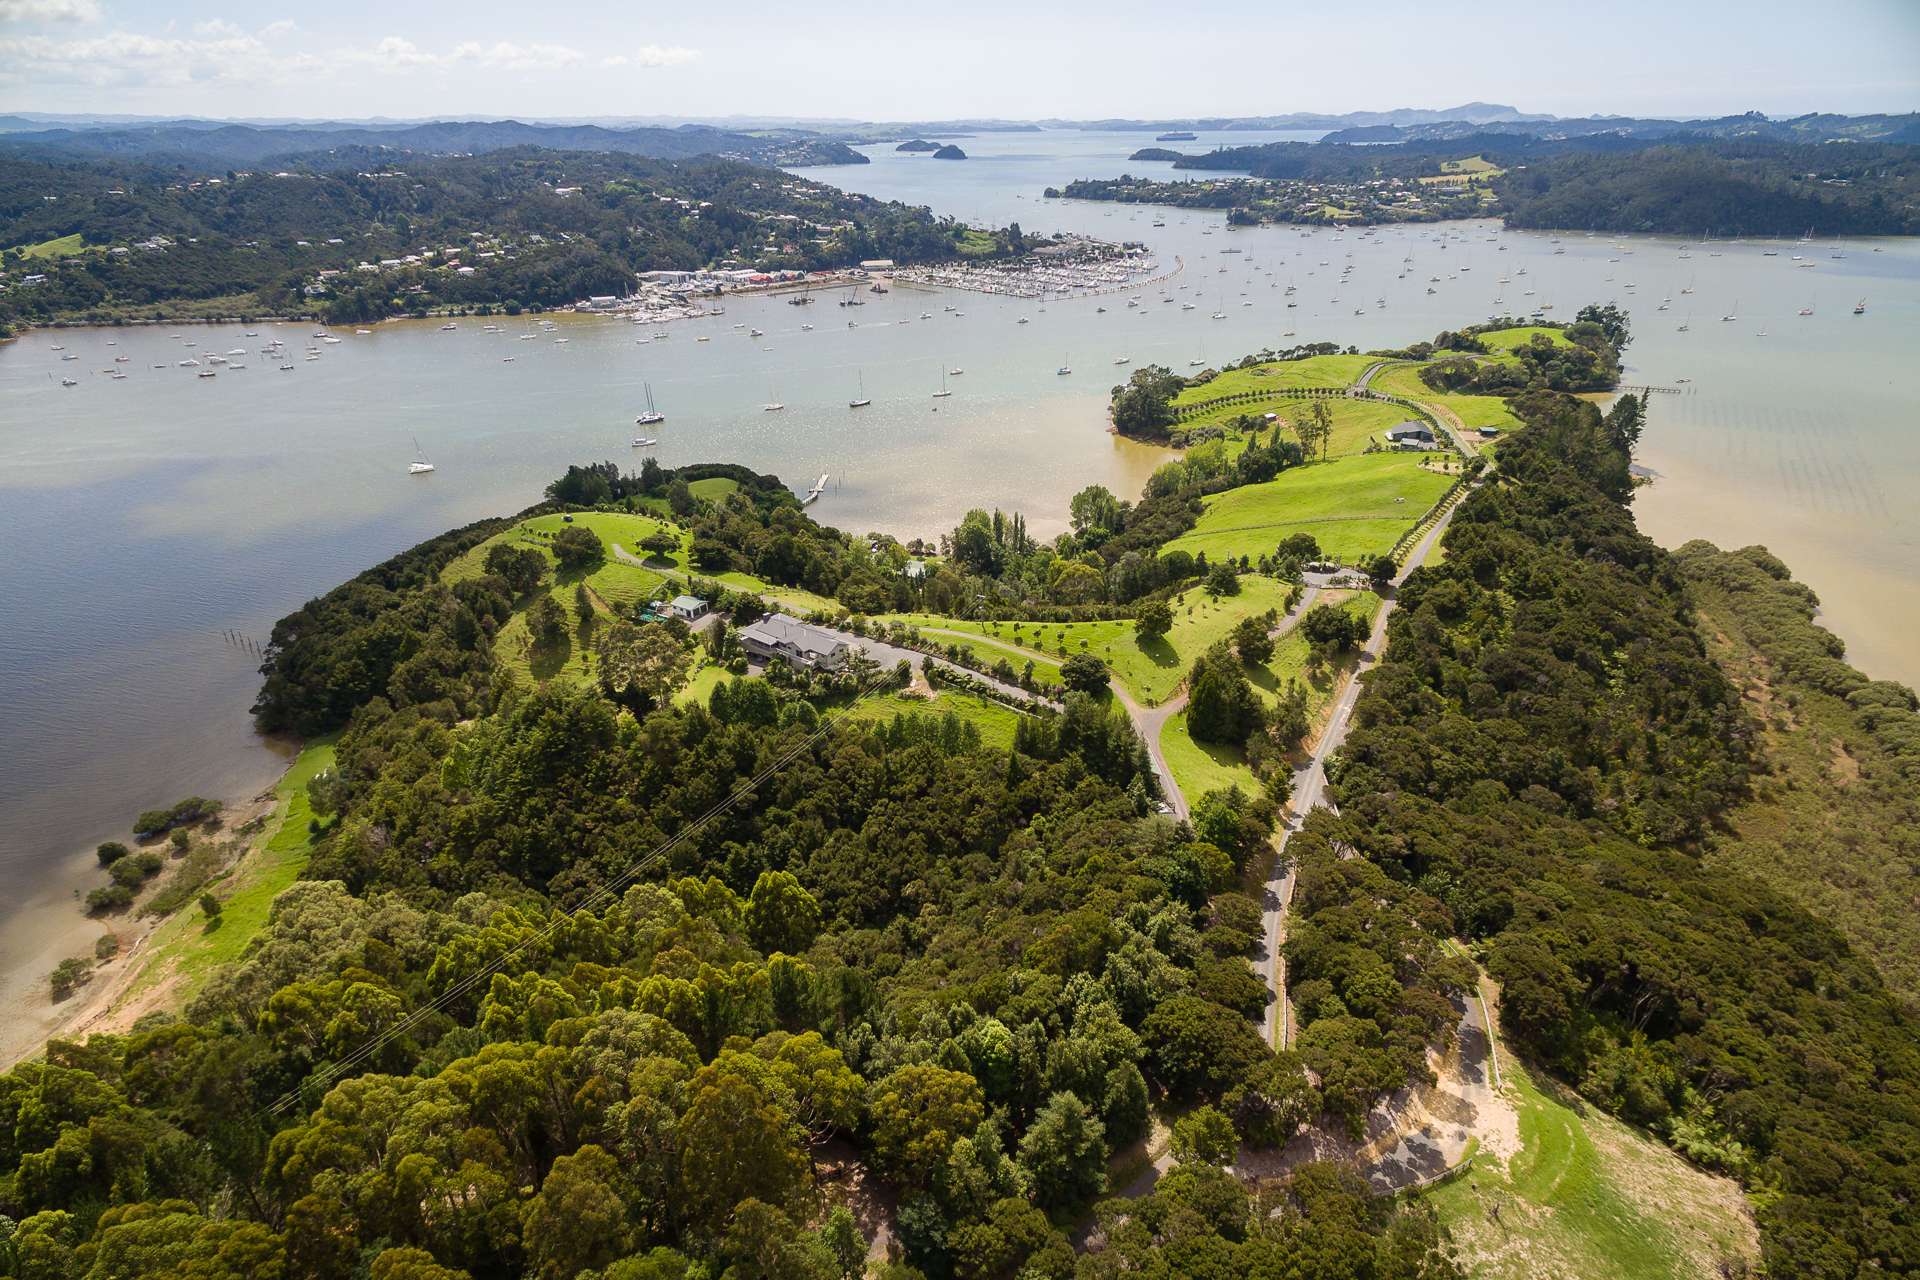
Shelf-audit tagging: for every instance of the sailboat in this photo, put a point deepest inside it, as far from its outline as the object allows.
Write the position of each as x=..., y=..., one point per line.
x=861, y=401
x=1860, y=307
x=1808, y=309
x=1063, y=370
x=772, y=405
x=1686, y=324
x=652, y=415
x=943, y=393
x=419, y=466
x=1733, y=314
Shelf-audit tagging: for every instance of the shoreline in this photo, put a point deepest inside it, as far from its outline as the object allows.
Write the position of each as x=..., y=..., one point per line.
x=52, y=925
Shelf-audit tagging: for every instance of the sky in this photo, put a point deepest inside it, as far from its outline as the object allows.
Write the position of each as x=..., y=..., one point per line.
x=1011, y=59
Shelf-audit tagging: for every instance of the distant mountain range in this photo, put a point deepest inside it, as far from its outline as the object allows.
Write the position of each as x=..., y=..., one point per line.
x=1818, y=127
x=228, y=144
x=236, y=144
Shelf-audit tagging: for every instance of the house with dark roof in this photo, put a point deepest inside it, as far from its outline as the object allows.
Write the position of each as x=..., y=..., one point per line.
x=801, y=646
x=1411, y=435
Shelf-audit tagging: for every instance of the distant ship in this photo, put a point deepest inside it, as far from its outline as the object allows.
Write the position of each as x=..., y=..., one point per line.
x=1176, y=137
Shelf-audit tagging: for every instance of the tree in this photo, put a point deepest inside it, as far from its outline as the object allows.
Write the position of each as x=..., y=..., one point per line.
x=1274, y=1102
x=659, y=544
x=520, y=567
x=578, y=1219
x=1143, y=405
x=735, y=1145
x=209, y=906
x=547, y=621
x=1204, y=1136
x=1251, y=641
x=1624, y=422
x=1223, y=580
x=1611, y=319
x=1095, y=514
x=1065, y=1152
x=641, y=664
x=1084, y=673
x=1221, y=704
x=680, y=499
x=1329, y=629
x=1381, y=570
x=1198, y=1048
x=577, y=547
x=1152, y=619
x=111, y=852
x=918, y=1112
x=781, y=915
x=69, y=974
x=1322, y=426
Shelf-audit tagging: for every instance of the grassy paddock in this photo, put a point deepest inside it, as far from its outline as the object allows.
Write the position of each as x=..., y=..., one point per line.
x=1150, y=671
x=1354, y=507
x=1521, y=335
x=995, y=722
x=1356, y=423
x=58, y=248
x=1473, y=411
x=1314, y=371
x=713, y=488
x=1200, y=767
x=1586, y=1196
x=185, y=949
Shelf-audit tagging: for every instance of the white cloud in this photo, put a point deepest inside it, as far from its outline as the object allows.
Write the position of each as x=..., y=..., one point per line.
x=129, y=58
x=49, y=11
x=504, y=55
x=221, y=51
x=653, y=55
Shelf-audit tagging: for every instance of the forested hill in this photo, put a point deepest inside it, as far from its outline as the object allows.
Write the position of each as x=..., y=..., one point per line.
x=1607, y=182
x=1728, y=189
x=240, y=145
x=533, y=228
x=1541, y=755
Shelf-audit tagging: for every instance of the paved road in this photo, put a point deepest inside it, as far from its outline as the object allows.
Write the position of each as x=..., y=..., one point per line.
x=1309, y=792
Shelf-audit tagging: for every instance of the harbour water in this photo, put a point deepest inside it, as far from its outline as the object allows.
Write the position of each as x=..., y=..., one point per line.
x=144, y=517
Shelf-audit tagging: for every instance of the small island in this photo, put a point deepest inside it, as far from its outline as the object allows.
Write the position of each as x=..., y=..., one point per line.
x=918, y=144
x=1158, y=153
x=949, y=152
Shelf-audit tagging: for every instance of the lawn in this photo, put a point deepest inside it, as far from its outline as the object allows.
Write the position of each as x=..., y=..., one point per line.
x=995, y=722
x=1046, y=669
x=614, y=527
x=713, y=488
x=1586, y=1196
x=792, y=599
x=184, y=947
x=1199, y=767
x=1354, y=507
x=1291, y=657
x=59, y=248
x=1314, y=371
x=1150, y=672
x=1521, y=335
x=1202, y=767
x=1473, y=411
x=700, y=688
x=1356, y=423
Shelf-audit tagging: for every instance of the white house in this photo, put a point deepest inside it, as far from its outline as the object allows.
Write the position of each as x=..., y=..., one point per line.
x=687, y=608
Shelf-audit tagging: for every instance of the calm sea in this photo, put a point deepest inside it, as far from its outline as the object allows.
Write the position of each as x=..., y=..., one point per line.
x=145, y=518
